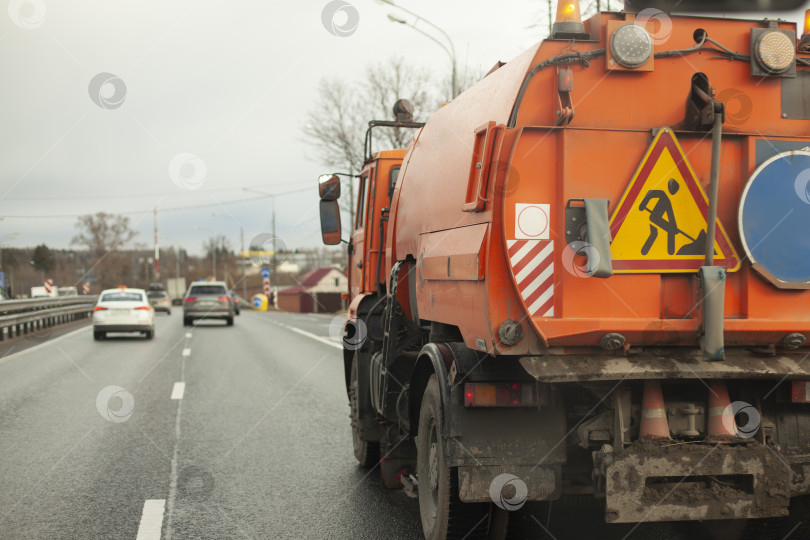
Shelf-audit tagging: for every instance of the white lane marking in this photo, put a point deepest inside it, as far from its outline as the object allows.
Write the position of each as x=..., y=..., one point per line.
x=178, y=390
x=151, y=519
x=186, y=351
x=42, y=345
x=175, y=460
x=188, y=334
x=316, y=338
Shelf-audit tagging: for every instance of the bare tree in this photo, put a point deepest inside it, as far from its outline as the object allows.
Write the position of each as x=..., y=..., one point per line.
x=337, y=125
x=104, y=235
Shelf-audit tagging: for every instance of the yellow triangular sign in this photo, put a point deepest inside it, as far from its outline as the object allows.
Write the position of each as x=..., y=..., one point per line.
x=659, y=224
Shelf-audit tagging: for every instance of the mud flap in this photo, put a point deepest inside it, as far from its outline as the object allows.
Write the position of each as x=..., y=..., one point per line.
x=651, y=481
x=487, y=483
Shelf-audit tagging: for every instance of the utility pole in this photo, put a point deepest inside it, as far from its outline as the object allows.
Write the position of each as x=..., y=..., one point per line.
x=242, y=261
x=273, y=265
x=225, y=256
x=157, y=248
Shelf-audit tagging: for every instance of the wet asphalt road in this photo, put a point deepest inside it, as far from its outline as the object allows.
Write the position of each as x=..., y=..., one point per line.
x=258, y=446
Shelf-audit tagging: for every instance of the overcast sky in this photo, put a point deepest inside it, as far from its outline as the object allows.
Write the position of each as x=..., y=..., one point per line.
x=202, y=99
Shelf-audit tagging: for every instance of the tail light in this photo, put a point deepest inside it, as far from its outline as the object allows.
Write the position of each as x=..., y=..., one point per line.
x=191, y=298
x=99, y=308
x=224, y=298
x=800, y=392
x=501, y=395
x=145, y=308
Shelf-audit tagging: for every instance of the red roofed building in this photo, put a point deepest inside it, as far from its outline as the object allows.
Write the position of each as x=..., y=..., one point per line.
x=319, y=291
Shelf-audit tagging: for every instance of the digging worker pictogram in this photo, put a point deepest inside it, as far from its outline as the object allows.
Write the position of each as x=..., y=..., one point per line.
x=662, y=216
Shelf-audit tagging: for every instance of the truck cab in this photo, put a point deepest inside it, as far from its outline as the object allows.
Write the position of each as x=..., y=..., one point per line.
x=367, y=245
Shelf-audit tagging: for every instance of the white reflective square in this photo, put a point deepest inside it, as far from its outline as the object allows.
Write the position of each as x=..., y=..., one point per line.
x=532, y=221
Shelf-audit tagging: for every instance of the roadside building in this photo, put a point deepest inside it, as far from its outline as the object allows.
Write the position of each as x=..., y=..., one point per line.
x=318, y=291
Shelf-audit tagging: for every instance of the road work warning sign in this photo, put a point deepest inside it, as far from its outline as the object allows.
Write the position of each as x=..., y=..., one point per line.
x=659, y=224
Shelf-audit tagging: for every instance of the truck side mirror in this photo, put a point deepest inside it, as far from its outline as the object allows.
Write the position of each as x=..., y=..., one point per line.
x=330, y=222
x=329, y=187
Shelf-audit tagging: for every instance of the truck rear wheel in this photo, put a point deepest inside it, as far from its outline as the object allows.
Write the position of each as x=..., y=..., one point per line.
x=367, y=453
x=443, y=514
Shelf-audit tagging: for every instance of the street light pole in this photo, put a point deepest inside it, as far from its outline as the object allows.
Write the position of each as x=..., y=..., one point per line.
x=273, y=208
x=241, y=257
x=451, y=52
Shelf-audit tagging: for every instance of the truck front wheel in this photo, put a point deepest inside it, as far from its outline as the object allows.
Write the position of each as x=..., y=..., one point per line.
x=367, y=453
x=443, y=514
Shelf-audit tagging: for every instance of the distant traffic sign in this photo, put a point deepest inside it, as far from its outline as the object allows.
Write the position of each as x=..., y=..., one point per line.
x=265, y=272
x=49, y=286
x=659, y=224
x=774, y=210
x=86, y=288
x=257, y=302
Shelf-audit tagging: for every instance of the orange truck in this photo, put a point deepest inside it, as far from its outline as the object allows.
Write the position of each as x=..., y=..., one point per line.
x=589, y=277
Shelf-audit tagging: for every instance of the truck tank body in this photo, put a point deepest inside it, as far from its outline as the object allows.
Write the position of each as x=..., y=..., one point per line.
x=469, y=270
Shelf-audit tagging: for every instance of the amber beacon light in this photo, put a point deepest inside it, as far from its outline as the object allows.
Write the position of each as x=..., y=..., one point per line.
x=804, y=44
x=569, y=20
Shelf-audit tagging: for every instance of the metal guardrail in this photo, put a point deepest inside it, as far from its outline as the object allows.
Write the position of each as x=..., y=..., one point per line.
x=19, y=317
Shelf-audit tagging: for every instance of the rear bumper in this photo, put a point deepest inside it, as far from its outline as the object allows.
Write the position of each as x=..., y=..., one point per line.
x=207, y=313
x=123, y=327
x=649, y=481
x=662, y=363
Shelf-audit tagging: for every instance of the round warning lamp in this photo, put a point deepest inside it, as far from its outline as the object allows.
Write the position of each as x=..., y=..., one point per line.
x=631, y=45
x=773, y=219
x=775, y=51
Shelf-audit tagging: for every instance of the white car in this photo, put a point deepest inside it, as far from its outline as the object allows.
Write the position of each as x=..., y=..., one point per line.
x=160, y=301
x=123, y=310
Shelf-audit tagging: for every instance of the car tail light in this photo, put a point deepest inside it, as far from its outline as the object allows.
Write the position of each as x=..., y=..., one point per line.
x=98, y=308
x=191, y=298
x=224, y=299
x=500, y=395
x=146, y=308
x=800, y=391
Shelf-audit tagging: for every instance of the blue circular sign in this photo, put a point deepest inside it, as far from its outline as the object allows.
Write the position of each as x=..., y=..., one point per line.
x=774, y=217
x=257, y=302
x=265, y=272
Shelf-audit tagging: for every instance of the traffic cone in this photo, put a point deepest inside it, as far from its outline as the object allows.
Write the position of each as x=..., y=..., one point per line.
x=721, y=424
x=654, y=423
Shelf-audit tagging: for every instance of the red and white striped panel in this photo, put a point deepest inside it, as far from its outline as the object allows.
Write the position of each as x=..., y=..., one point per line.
x=532, y=263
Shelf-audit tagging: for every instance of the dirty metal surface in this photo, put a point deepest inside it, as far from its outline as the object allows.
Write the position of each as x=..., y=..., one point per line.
x=646, y=482
x=541, y=483
x=666, y=365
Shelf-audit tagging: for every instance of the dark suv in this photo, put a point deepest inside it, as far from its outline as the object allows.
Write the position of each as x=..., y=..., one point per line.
x=207, y=300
